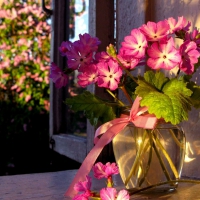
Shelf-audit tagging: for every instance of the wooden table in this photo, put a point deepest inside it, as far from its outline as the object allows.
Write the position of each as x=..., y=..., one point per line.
x=52, y=186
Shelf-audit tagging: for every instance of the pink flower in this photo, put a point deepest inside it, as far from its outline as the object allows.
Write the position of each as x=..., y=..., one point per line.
x=109, y=74
x=195, y=37
x=123, y=195
x=134, y=44
x=163, y=55
x=105, y=171
x=65, y=47
x=102, y=56
x=89, y=76
x=111, y=194
x=81, y=197
x=27, y=98
x=83, y=186
x=189, y=56
x=58, y=77
x=128, y=61
x=91, y=42
x=176, y=25
x=79, y=56
x=155, y=31
x=108, y=194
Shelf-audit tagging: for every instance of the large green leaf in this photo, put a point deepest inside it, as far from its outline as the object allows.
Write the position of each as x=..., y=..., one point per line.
x=95, y=109
x=156, y=79
x=166, y=98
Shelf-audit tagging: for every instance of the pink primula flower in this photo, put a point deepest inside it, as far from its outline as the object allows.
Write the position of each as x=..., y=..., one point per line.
x=89, y=76
x=189, y=56
x=58, y=77
x=123, y=195
x=134, y=44
x=195, y=37
x=155, y=31
x=79, y=56
x=81, y=197
x=128, y=61
x=65, y=47
x=109, y=74
x=84, y=187
x=102, y=56
x=163, y=55
x=87, y=40
x=111, y=194
x=105, y=171
x=176, y=25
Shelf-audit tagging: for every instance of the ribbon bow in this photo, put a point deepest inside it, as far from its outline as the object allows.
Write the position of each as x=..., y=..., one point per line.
x=108, y=131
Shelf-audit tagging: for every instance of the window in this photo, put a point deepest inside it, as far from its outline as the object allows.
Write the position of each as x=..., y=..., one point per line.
x=101, y=24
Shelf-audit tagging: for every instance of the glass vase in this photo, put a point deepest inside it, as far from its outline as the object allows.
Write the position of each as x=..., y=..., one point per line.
x=150, y=157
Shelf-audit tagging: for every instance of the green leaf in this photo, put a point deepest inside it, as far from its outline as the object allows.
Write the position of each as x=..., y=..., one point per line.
x=95, y=109
x=157, y=79
x=166, y=98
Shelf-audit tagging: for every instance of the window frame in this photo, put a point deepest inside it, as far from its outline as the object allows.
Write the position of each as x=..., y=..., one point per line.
x=72, y=146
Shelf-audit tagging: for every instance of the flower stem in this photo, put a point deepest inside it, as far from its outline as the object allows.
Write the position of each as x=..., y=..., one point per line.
x=120, y=102
x=149, y=160
x=181, y=145
x=137, y=158
x=126, y=94
x=161, y=161
x=173, y=168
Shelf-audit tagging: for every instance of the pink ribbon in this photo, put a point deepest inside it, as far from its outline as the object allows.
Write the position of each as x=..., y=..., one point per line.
x=108, y=131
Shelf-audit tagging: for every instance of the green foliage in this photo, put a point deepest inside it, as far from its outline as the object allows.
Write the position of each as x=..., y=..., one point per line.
x=24, y=82
x=94, y=108
x=166, y=98
x=24, y=54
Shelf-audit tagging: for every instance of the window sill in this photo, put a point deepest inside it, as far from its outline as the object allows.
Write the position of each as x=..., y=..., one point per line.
x=71, y=146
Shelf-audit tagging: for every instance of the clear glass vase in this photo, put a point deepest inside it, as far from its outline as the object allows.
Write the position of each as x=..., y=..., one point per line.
x=149, y=157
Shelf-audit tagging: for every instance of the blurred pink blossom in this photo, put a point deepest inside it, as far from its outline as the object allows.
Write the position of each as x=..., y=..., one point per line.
x=105, y=171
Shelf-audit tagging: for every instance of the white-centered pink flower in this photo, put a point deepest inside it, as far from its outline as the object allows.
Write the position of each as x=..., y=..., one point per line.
x=155, y=31
x=111, y=194
x=177, y=25
x=163, y=55
x=189, y=56
x=105, y=171
x=57, y=75
x=134, y=44
x=79, y=56
x=109, y=74
x=128, y=61
x=89, y=76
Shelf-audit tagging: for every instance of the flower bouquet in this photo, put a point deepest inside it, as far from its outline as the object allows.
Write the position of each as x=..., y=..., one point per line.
x=164, y=93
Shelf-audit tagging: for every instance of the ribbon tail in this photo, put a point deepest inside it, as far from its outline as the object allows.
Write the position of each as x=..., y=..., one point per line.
x=93, y=155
